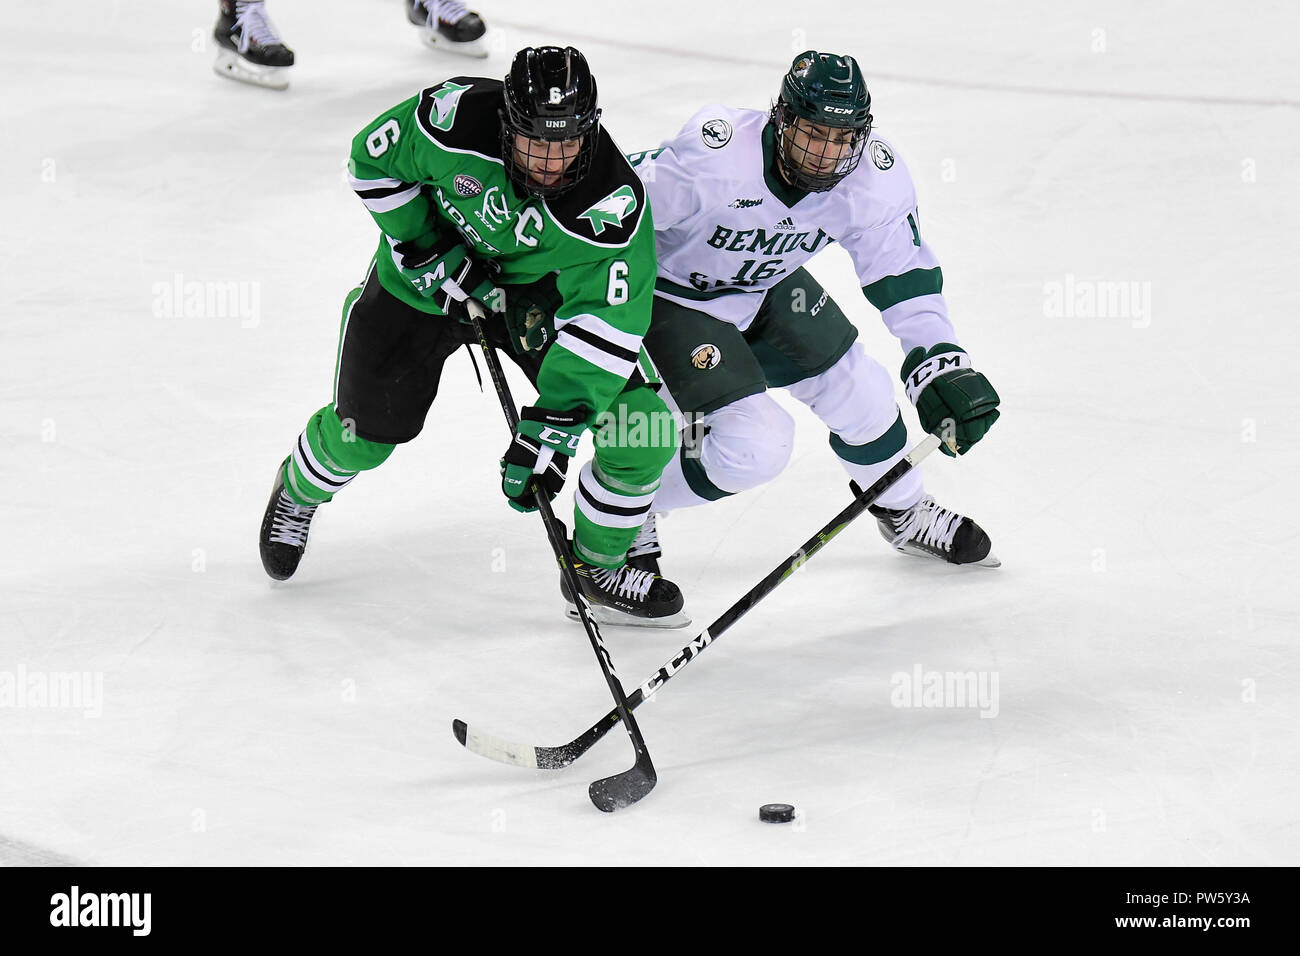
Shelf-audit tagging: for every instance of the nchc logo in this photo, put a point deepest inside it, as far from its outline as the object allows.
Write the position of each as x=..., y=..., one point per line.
x=102, y=909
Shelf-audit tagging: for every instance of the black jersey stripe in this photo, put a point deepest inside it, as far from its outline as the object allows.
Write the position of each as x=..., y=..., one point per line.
x=599, y=342
x=381, y=192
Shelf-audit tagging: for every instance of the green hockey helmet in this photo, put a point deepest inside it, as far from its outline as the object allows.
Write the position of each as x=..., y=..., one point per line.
x=822, y=119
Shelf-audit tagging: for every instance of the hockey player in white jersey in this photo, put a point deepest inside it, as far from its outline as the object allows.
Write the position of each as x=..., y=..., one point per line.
x=742, y=199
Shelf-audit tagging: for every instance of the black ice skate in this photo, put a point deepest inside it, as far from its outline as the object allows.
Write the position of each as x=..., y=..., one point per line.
x=449, y=26
x=284, y=531
x=930, y=530
x=248, y=48
x=627, y=596
x=644, y=554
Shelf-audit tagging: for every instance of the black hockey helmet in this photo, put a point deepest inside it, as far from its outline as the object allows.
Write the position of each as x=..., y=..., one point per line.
x=550, y=98
x=829, y=91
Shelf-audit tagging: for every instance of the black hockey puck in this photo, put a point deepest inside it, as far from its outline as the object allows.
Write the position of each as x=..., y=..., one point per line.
x=776, y=813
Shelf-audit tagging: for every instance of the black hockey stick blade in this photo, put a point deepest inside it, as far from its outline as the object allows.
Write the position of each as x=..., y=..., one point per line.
x=623, y=789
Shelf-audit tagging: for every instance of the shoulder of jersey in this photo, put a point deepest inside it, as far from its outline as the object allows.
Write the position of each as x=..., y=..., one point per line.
x=882, y=156
x=463, y=113
x=714, y=128
x=607, y=207
x=882, y=180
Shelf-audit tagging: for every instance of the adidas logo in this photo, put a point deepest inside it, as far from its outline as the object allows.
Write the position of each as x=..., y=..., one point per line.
x=745, y=203
x=786, y=223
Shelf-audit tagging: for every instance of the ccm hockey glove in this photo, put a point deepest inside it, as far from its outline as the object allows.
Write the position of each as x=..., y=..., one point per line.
x=952, y=400
x=444, y=272
x=544, y=442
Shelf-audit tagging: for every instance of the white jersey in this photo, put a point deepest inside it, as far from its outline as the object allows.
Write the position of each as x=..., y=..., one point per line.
x=728, y=228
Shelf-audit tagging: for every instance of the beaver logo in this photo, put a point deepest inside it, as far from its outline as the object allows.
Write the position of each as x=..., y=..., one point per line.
x=706, y=357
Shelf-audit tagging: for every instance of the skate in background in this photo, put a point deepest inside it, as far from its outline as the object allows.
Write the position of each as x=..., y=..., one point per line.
x=251, y=50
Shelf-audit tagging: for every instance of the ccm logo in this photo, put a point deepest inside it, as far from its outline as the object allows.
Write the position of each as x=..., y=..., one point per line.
x=553, y=436
x=835, y=109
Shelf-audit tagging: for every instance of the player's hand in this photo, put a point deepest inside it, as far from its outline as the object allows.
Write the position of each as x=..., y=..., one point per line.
x=444, y=272
x=530, y=316
x=539, y=454
x=952, y=400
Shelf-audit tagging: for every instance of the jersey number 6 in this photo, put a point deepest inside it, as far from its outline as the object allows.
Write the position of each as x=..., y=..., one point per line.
x=616, y=293
x=377, y=143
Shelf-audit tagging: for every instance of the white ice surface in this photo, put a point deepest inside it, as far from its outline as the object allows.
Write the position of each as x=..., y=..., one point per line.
x=1140, y=487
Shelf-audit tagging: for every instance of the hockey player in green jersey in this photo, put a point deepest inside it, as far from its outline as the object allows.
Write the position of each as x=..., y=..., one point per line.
x=743, y=199
x=514, y=194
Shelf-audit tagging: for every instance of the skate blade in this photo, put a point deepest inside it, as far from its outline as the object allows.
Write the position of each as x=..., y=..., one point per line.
x=473, y=48
x=234, y=67
x=990, y=560
x=612, y=616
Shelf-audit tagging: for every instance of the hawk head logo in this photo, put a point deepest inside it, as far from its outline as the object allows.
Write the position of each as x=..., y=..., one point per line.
x=612, y=210
x=445, y=100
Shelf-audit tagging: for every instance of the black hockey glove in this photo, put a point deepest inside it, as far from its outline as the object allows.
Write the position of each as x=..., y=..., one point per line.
x=952, y=400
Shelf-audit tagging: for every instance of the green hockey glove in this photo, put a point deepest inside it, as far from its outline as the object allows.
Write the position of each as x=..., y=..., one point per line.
x=539, y=454
x=952, y=400
x=530, y=316
x=444, y=272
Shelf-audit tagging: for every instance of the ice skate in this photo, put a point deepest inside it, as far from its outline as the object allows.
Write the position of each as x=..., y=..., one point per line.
x=285, y=526
x=627, y=596
x=645, y=552
x=449, y=26
x=248, y=47
x=930, y=530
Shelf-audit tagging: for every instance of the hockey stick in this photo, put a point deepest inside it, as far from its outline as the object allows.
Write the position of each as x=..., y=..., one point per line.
x=622, y=789
x=555, y=758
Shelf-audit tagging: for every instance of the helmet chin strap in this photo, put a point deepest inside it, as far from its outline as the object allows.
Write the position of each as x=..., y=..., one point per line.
x=783, y=157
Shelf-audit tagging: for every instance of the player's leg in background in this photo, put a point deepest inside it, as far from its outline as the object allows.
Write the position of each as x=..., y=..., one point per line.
x=809, y=346
x=386, y=376
x=855, y=399
x=249, y=48
x=739, y=436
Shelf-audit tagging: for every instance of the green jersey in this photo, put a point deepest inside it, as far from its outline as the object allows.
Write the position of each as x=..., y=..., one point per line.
x=432, y=165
